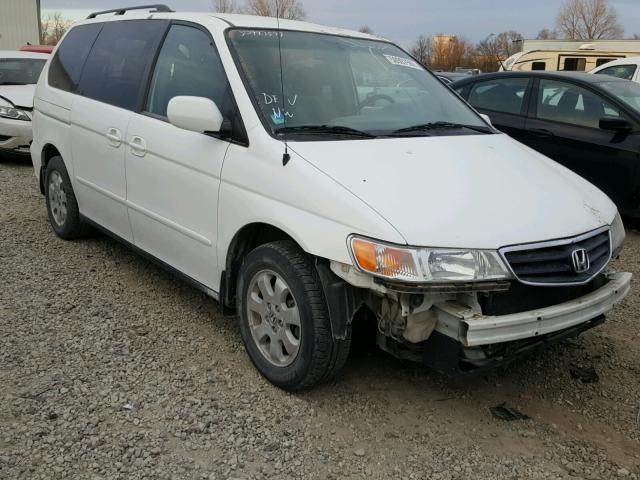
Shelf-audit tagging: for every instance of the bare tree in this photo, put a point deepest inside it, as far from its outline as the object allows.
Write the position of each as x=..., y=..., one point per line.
x=421, y=50
x=589, y=20
x=366, y=29
x=501, y=46
x=53, y=28
x=288, y=9
x=547, y=34
x=225, y=6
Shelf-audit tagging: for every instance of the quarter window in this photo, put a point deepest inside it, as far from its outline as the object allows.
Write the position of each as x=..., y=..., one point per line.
x=568, y=103
x=66, y=65
x=117, y=66
x=503, y=95
x=620, y=71
x=189, y=64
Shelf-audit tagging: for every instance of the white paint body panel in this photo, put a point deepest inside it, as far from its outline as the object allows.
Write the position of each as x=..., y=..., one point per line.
x=99, y=163
x=476, y=191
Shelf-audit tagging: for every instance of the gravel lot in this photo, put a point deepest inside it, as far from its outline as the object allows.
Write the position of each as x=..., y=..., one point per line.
x=111, y=368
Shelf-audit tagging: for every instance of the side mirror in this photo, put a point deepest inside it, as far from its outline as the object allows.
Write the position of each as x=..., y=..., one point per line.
x=197, y=114
x=486, y=118
x=619, y=125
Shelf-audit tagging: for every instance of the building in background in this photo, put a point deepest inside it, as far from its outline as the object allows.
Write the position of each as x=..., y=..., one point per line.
x=19, y=23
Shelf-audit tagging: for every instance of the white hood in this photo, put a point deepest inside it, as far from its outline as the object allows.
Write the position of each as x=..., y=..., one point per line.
x=18, y=95
x=475, y=191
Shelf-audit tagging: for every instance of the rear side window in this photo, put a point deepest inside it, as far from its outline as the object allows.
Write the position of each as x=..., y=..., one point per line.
x=503, y=95
x=188, y=64
x=620, y=71
x=66, y=65
x=117, y=66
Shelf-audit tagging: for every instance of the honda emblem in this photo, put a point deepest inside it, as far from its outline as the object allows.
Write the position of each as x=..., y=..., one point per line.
x=580, y=259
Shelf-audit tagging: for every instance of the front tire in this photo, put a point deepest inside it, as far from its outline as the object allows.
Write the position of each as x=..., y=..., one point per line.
x=284, y=320
x=62, y=207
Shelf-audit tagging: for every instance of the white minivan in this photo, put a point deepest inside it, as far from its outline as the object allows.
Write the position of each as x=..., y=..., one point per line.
x=307, y=177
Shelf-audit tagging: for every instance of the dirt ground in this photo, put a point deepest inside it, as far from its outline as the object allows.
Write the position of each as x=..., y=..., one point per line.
x=111, y=368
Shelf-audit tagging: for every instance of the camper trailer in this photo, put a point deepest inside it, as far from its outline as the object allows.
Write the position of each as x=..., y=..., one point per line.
x=569, y=55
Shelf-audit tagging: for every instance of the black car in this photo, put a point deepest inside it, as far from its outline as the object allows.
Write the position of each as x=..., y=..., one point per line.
x=589, y=123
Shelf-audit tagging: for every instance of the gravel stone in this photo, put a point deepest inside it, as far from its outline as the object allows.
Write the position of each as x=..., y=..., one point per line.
x=88, y=328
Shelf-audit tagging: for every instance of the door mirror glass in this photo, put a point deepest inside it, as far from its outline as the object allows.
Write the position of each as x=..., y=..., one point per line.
x=620, y=125
x=486, y=118
x=197, y=114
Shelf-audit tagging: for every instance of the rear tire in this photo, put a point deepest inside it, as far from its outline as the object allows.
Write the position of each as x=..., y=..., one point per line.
x=62, y=206
x=284, y=320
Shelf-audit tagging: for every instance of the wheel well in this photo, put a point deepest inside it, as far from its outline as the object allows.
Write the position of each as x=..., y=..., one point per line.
x=247, y=239
x=48, y=152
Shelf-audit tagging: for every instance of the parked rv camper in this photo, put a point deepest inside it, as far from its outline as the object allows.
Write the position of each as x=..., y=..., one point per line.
x=569, y=55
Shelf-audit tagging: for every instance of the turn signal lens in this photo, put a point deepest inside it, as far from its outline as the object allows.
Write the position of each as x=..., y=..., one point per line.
x=384, y=260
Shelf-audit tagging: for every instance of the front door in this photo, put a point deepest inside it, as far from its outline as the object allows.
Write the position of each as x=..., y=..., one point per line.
x=173, y=175
x=565, y=127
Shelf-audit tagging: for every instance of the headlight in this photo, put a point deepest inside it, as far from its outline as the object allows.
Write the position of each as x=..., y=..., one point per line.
x=13, y=114
x=436, y=265
x=617, y=236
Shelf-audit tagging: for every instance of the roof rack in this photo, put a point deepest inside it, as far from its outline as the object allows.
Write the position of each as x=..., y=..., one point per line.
x=122, y=11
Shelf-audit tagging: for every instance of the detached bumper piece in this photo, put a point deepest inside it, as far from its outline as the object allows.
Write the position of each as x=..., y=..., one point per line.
x=465, y=342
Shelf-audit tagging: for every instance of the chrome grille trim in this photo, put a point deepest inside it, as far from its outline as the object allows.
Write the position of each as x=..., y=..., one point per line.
x=556, y=243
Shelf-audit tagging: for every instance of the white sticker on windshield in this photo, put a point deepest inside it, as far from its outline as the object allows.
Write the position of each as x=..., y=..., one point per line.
x=403, y=62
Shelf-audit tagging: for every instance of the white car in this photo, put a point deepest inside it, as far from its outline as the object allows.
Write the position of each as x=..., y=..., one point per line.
x=627, y=68
x=307, y=176
x=19, y=72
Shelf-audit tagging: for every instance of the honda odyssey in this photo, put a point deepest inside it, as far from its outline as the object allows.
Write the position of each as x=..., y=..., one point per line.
x=306, y=176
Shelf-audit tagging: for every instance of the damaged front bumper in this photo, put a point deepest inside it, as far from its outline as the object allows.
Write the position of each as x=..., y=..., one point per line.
x=470, y=328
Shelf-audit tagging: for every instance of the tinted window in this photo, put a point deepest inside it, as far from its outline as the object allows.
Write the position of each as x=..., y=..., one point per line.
x=602, y=61
x=116, y=69
x=499, y=95
x=67, y=63
x=620, y=71
x=539, y=66
x=188, y=64
x=569, y=103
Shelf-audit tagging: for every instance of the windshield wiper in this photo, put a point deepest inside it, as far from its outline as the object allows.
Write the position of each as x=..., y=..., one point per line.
x=425, y=127
x=12, y=83
x=324, y=129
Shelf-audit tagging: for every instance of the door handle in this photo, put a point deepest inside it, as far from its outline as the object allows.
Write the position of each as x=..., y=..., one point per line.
x=138, y=146
x=114, y=137
x=541, y=132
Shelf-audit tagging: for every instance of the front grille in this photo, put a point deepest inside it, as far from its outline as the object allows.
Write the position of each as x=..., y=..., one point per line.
x=551, y=263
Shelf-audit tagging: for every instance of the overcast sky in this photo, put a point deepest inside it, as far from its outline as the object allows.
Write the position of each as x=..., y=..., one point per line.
x=400, y=20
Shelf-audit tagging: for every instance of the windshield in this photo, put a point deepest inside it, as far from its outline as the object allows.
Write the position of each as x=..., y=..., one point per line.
x=627, y=92
x=20, y=71
x=360, y=86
